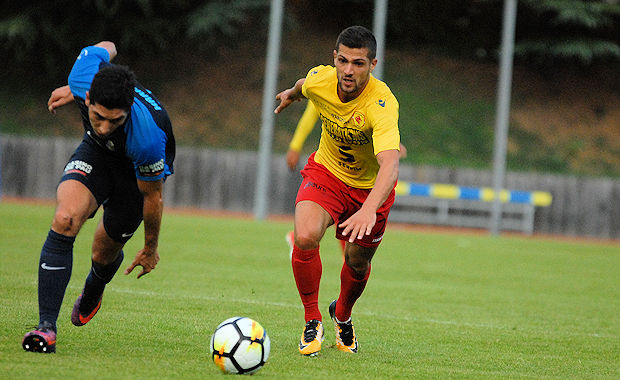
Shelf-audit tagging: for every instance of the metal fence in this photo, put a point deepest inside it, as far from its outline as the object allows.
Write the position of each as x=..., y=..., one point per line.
x=225, y=180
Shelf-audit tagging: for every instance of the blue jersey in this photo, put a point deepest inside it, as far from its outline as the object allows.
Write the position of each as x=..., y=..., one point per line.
x=146, y=137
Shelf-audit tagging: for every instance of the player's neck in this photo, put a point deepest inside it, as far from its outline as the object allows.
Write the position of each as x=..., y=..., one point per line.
x=347, y=97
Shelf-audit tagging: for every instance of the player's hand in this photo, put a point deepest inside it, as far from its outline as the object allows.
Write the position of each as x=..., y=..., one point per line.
x=286, y=98
x=359, y=224
x=147, y=260
x=403, y=152
x=58, y=98
x=292, y=159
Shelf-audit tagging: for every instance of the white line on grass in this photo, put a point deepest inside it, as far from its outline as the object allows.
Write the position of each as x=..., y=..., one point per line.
x=365, y=313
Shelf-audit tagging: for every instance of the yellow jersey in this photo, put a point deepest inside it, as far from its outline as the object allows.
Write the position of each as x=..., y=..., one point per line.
x=353, y=133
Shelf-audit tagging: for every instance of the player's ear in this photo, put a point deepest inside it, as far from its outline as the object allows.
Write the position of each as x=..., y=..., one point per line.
x=87, y=99
x=335, y=55
x=373, y=64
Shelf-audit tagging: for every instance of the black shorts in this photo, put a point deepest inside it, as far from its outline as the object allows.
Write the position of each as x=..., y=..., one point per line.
x=112, y=181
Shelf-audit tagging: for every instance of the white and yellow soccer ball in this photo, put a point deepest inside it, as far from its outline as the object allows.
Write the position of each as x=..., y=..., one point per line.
x=240, y=345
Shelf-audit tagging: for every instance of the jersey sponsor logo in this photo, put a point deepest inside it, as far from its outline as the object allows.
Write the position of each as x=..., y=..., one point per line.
x=346, y=135
x=148, y=98
x=346, y=157
x=77, y=166
x=349, y=167
x=152, y=169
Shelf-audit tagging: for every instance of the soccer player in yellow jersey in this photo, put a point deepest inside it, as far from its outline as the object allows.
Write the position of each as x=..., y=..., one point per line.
x=349, y=181
x=304, y=127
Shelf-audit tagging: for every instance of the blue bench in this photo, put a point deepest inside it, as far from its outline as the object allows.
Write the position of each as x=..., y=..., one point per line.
x=463, y=206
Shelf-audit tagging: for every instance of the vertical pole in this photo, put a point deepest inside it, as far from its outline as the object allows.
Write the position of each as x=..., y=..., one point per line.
x=269, y=92
x=378, y=26
x=503, y=111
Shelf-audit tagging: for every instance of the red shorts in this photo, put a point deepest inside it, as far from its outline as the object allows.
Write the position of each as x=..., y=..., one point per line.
x=341, y=201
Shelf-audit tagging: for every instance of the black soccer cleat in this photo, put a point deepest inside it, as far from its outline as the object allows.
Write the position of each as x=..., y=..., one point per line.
x=345, y=332
x=43, y=339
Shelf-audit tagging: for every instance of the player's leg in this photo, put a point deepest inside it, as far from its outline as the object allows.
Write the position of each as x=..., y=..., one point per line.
x=74, y=204
x=121, y=217
x=356, y=270
x=343, y=244
x=318, y=204
x=353, y=278
x=106, y=259
x=311, y=221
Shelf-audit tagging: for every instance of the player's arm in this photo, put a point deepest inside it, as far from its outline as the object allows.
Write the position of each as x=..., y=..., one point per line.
x=109, y=46
x=304, y=127
x=365, y=218
x=63, y=95
x=148, y=257
x=58, y=98
x=288, y=96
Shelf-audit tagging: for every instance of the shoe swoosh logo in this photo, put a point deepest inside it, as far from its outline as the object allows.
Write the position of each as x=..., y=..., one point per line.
x=47, y=267
x=127, y=235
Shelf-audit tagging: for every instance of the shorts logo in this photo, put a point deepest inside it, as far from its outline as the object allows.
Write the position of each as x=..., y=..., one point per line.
x=376, y=240
x=152, y=170
x=79, y=167
x=312, y=184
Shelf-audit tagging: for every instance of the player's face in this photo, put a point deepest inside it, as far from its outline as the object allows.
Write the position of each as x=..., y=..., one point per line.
x=105, y=120
x=353, y=69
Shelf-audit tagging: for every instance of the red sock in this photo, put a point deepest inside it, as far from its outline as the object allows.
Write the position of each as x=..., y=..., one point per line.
x=351, y=288
x=307, y=269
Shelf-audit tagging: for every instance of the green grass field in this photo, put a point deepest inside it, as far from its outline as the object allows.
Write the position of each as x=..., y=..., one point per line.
x=437, y=305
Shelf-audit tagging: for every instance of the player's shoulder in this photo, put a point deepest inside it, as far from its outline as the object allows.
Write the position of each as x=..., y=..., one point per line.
x=381, y=96
x=94, y=52
x=320, y=73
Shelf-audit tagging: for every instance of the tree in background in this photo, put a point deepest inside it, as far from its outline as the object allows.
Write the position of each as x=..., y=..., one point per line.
x=575, y=31
x=548, y=31
x=51, y=31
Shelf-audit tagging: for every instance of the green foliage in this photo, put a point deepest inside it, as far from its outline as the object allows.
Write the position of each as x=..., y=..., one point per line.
x=585, y=51
x=437, y=305
x=54, y=32
x=578, y=31
x=222, y=16
x=589, y=14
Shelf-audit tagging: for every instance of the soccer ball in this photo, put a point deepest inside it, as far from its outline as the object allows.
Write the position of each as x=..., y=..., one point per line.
x=240, y=345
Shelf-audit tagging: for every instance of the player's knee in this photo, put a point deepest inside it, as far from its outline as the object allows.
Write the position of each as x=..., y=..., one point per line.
x=359, y=265
x=306, y=241
x=66, y=223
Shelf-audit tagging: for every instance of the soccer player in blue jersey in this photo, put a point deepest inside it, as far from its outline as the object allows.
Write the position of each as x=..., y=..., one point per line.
x=126, y=154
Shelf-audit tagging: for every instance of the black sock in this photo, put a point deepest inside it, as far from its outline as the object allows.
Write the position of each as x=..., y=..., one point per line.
x=96, y=281
x=54, y=274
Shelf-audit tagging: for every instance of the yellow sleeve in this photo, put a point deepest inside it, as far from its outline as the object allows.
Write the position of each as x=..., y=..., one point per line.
x=385, y=133
x=304, y=127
